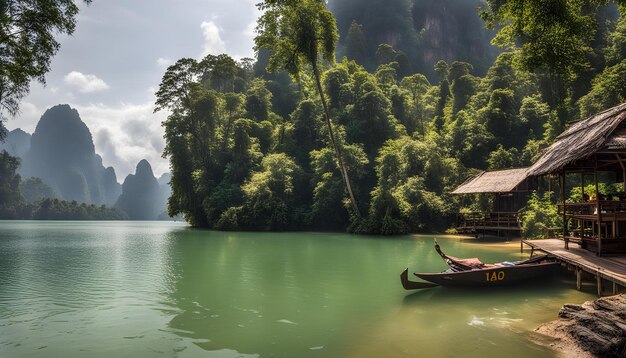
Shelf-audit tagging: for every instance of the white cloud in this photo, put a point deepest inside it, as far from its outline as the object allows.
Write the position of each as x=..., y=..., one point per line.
x=85, y=83
x=125, y=134
x=163, y=62
x=213, y=43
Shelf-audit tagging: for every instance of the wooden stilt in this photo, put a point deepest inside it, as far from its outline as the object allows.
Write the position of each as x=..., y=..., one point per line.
x=615, y=288
x=579, y=279
x=598, y=208
x=562, y=187
x=599, y=284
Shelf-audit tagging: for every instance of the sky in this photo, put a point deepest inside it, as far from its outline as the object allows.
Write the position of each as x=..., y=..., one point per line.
x=110, y=68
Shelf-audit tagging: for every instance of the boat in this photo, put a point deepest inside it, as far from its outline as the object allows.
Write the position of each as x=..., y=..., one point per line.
x=472, y=272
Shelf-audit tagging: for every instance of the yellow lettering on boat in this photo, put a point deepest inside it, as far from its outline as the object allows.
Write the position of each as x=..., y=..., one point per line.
x=494, y=276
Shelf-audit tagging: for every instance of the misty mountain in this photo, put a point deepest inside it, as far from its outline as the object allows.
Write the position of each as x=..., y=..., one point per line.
x=17, y=143
x=141, y=197
x=34, y=189
x=426, y=31
x=62, y=154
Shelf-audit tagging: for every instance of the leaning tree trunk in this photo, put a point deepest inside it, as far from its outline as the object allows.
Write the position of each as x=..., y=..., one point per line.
x=336, y=146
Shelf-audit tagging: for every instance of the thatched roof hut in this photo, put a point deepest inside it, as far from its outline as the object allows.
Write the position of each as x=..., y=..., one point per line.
x=602, y=131
x=501, y=181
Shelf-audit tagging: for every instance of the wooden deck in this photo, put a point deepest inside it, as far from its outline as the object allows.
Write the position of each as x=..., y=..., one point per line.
x=609, y=268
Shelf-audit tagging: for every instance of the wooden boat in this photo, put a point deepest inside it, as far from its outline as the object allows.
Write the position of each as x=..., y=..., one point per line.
x=472, y=272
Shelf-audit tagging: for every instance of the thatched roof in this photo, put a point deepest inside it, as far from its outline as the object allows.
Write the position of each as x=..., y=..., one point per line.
x=583, y=139
x=501, y=181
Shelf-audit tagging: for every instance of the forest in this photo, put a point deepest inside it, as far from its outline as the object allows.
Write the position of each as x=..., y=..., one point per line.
x=300, y=139
x=363, y=116
x=31, y=199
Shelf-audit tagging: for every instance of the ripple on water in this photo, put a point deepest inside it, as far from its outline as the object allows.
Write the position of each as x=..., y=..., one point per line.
x=152, y=289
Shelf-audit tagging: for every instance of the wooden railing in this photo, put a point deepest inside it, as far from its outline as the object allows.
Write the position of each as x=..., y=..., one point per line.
x=491, y=221
x=609, y=207
x=596, y=225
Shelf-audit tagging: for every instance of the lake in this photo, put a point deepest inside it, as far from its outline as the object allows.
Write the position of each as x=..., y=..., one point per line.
x=142, y=289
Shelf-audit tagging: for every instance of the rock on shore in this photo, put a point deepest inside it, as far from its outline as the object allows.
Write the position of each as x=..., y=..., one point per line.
x=593, y=329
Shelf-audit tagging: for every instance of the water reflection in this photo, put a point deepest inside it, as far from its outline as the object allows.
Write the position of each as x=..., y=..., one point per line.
x=156, y=289
x=303, y=294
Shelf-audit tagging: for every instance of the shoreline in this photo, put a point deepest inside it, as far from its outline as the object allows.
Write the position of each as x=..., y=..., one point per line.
x=594, y=328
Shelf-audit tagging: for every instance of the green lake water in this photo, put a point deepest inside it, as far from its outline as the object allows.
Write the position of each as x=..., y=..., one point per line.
x=143, y=289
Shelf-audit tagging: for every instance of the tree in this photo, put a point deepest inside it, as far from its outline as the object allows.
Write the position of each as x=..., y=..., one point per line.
x=555, y=40
x=271, y=193
x=190, y=136
x=385, y=54
x=552, y=34
x=538, y=215
x=218, y=72
x=417, y=84
x=34, y=189
x=443, y=70
x=411, y=176
x=608, y=89
x=258, y=101
x=503, y=159
x=298, y=32
x=27, y=44
x=10, y=198
x=356, y=46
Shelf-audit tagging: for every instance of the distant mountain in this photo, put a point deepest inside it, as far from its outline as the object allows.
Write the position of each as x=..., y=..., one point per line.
x=62, y=154
x=17, y=143
x=141, y=195
x=426, y=31
x=34, y=189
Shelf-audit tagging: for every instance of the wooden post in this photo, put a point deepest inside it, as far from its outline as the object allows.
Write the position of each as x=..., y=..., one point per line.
x=599, y=283
x=562, y=185
x=615, y=289
x=598, y=207
x=579, y=279
x=582, y=184
x=582, y=191
x=619, y=159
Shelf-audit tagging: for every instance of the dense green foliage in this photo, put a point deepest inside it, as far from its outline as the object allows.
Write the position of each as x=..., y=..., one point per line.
x=539, y=215
x=299, y=33
x=27, y=44
x=38, y=204
x=241, y=159
x=10, y=198
x=54, y=209
x=33, y=189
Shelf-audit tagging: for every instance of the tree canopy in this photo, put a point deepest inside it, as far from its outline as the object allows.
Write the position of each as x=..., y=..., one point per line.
x=293, y=148
x=27, y=44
